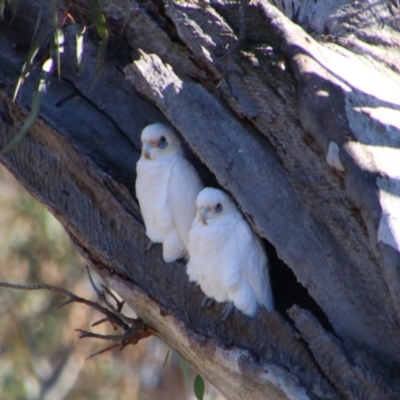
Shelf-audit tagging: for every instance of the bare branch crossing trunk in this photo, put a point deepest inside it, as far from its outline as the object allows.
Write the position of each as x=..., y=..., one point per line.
x=300, y=122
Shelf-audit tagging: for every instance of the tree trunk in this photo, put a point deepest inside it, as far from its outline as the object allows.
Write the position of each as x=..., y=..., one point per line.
x=299, y=121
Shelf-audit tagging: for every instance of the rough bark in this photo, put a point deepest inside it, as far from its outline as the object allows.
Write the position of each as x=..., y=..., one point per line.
x=300, y=123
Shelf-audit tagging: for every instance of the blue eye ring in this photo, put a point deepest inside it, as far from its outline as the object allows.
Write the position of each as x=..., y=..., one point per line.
x=219, y=208
x=162, y=143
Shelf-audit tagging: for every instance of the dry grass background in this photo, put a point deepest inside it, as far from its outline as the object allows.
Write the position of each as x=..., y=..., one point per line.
x=41, y=356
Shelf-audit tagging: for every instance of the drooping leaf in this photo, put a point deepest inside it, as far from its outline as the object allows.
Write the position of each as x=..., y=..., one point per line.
x=127, y=17
x=47, y=67
x=28, y=64
x=79, y=49
x=38, y=21
x=185, y=370
x=58, y=37
x=35, y=106
x=166, y=359
x=59, y=48
x=199, y=387
x=2, y=5
x=13, y=4
x=99, y=21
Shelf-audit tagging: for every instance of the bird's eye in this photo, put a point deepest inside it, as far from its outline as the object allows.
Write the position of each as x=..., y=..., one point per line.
x=162, y=143
x=218, y=208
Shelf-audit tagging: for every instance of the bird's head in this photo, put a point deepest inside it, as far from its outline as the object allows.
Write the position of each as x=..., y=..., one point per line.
x=213, y=206
x=159, y=140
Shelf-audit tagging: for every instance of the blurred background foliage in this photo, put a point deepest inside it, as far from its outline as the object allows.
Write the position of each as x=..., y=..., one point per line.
x=41, y=356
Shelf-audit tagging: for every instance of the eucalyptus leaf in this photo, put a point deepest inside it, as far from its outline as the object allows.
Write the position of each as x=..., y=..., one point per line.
x=13, y=4
x=185, y=370
x=2, y=5
x=28, y=64
x=166, y=359
x=38, y=21
x=79, y=50
x=99, y=21
x=35, y=106
x=199, y=387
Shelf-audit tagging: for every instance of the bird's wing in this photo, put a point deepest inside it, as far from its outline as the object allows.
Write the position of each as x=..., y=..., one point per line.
x=254, y=266
x=183, y=187
x=173, y=247
x=193, y=266
x=151, y=191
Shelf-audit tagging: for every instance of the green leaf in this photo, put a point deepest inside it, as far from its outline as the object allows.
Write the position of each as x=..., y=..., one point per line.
x=2, y=4
x=166, y=359
x=28, y=65
x=38, y=20
x=199, y=387
x=99, y=21
x=185, y=370
x=36, y=101
x=79, y=50
x=59, y=46
x=47, y=67
x=35, y=107
x=13, y=4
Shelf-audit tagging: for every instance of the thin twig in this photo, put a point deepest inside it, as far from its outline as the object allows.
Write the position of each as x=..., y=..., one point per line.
x=119, y=303
x=134, y=329
x=86, y=334
x=103, y=351
x=135, y=333
x=112, y=316
x=100, y=321
x=104, y=299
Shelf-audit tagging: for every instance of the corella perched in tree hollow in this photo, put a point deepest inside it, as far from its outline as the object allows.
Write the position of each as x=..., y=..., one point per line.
x=227, y=259
x=166, y=186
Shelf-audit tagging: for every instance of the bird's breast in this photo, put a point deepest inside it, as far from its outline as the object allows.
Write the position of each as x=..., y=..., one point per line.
x=151, y=191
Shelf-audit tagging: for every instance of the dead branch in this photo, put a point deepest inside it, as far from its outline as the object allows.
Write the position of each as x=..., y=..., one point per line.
x=134, y=329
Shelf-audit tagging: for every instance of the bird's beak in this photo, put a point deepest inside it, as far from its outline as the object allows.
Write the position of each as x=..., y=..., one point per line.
x=203, y=215
x=146, y=150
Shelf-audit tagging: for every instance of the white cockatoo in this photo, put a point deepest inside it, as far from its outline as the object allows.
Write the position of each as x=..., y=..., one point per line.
x=227, y=259
x=166, y=186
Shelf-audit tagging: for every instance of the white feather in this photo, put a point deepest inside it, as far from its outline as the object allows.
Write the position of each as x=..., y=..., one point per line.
x=227, y=259
x=151, y=191
x=183, y=187
x=166, y=187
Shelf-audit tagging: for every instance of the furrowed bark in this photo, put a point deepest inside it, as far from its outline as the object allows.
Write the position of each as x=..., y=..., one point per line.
x=113, y=240
x=299, y=124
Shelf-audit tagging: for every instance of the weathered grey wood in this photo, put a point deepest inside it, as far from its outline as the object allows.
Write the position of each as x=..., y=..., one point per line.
x=371, y=164
x=367, y=28
x=330, y=84
x=310, y=173
x=234, y=371
x=308, y=148
x=350, y=377
x=110, y=237
x=266, y=197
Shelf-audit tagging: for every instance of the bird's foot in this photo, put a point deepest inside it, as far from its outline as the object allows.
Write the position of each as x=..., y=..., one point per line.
x=207, y=302
x=227, y=311
x=149, y=246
